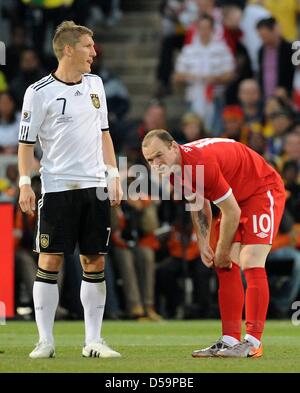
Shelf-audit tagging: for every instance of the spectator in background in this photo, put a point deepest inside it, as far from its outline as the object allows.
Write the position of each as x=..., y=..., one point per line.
x=291, y=175
x=252, y=14
x=282, y=122
x=9, y=124
x=14, y=50
x=29, y=72
x=275, y=65
x=38, y=16
x=291, y=150
x=173, y=33
x=205, y=7
x=250, y=100
x=272, y=105
x=12, y=177
x=3, y=82
x=134, y=253
x=205, y=68
x=234, y=125
x=296, y=88
x=192, y=128
x=155, y=116
x=257, y=142
x=232, y=36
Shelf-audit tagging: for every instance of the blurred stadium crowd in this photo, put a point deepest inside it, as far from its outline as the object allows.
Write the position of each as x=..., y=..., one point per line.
x=232, y=60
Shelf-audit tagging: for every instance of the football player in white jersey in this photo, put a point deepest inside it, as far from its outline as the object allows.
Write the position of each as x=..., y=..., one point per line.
x=67, y=111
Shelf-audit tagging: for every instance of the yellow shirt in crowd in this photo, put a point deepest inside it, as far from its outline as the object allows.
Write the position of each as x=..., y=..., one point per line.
x=49, y=3
x=285, y=11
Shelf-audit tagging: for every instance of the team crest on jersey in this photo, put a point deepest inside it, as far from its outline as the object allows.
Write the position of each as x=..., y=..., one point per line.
x=95, y=100
x=44, y=240
x=26, y=116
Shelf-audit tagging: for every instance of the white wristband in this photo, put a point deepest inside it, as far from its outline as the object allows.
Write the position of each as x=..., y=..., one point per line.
x=24, y=180
x=113, y=172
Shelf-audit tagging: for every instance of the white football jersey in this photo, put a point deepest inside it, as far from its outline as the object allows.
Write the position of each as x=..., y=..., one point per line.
x=68, y=119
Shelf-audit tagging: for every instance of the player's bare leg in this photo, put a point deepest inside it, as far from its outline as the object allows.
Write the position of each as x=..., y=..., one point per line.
x=93, y=296
x=253, y=258
x=231, y=301
x=46, y=297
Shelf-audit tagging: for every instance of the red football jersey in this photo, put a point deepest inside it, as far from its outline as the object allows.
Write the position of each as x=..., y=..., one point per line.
x=229, y=166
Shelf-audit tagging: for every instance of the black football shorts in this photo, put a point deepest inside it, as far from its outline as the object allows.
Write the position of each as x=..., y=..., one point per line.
x=69, y=217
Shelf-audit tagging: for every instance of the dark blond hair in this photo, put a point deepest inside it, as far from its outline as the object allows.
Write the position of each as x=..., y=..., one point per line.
x=161, y=134
x=68, y=33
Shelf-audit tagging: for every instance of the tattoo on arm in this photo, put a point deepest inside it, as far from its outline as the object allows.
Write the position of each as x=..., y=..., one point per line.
x=203, y=223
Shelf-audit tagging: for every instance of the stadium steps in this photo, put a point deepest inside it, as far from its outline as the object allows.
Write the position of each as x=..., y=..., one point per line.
x=141, y=5
x=130, y=51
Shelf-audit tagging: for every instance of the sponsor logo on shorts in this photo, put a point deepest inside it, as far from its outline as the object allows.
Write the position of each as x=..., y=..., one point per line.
x=262, y=235
x=44, y=239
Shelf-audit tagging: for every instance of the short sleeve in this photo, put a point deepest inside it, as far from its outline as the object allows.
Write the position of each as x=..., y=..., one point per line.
x=216, y=188
x=33, y=115
x=103, y=108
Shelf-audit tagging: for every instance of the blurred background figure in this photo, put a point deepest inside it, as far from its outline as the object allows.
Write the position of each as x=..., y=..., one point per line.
x=274, y=58
x=192, y=128
x=29, y=72
x=252, y=14
x=134, y=253
x=205, y=67
x=9, y=124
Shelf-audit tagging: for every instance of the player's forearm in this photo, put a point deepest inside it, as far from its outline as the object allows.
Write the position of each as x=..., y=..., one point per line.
x=25, y=159
x=202, y=223
x=108, y=150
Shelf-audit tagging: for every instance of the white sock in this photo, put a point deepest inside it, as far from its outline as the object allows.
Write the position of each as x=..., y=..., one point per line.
x=253, y=340
x=93, y=296
x=230, y=340
x=45, y=298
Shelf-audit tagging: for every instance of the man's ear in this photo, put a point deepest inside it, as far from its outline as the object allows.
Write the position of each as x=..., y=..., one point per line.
x=68, y=50
x=173, y=145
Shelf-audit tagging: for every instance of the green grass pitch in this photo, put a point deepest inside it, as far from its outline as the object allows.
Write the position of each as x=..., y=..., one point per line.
x=147, y=347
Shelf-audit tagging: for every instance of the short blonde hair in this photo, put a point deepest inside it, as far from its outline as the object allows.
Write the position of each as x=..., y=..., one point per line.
x=192, y=118
x=68, y=33
x=161, y=134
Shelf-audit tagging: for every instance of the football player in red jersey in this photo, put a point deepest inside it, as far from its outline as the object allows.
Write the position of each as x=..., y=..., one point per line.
x=251, y=196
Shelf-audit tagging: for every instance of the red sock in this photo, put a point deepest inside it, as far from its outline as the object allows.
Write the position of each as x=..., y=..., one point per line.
x=257, y=300
x=231, y=300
